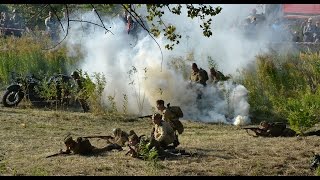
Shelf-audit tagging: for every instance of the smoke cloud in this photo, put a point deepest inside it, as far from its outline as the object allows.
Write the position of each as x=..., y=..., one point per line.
x=135, y=67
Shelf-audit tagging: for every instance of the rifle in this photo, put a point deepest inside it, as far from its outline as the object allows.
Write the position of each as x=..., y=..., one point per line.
x=101, y=137
x=147, y=116
x=254, y=129
x=251, y=128
x=59, y=153
x=131, y=150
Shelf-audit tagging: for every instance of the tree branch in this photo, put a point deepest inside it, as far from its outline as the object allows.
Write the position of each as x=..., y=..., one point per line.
x=144, y=27
x=100, y=19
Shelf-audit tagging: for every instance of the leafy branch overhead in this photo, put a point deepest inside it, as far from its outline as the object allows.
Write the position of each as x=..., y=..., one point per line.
x=34, y=14
x=156, y=11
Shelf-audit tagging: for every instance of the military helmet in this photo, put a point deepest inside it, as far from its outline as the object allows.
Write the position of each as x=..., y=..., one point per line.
x=264, y=124
x=156, y=115
x=75, y=74
x=131, y=132
x=116, y=131
x=68, y=140
x=133, y=139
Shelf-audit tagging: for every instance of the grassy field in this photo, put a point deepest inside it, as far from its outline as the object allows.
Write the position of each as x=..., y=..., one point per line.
x=28, y=135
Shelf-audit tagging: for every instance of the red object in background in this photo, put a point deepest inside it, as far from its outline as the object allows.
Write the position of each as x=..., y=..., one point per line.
x=302, y=9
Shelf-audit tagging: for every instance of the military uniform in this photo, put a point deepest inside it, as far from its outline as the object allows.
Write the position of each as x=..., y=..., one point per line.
x=81, y=146
x=171, y=118
x=276, y=129
x=120, y=137
x=216, y=76
x=81, y=90
x=164, y=133
x=198, y=77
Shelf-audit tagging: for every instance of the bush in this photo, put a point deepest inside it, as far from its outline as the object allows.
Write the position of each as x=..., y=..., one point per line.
x=285, y=87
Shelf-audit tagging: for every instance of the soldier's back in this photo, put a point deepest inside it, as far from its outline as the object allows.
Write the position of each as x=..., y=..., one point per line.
x=287, y=132
x=83, y=146
x=276, y=129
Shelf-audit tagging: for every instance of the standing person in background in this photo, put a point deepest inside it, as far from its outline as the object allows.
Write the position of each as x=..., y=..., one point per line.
x=81, y=90
x=51, y=26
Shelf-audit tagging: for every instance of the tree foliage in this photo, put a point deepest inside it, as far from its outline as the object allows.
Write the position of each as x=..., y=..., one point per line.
x=34, y=15
x=156, y=11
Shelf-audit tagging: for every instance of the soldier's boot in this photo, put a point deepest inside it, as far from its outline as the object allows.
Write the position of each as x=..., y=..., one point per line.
x=176, y=141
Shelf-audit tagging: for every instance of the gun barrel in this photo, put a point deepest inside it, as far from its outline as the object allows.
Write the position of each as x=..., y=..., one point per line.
x=52, y=155
x=57, y=154
x=250, y=128
x=102, y=137
x=147, y=116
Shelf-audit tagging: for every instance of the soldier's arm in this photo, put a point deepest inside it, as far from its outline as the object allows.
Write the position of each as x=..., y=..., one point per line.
x=200, y=78
x=46, y=22
x=162, y=133
x=152, y=132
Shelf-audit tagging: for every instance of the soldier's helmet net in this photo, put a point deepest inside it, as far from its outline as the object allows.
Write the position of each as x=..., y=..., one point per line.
x=133, y=137
x=116, y=131
x=263, y=124
x=75, y=74
x=131, y=132
x=156, y=116
x=68, y=140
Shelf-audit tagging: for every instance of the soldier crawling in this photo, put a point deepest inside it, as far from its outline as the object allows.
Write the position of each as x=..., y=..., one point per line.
x=120, y=136
x=276, y=129
x=83, y=146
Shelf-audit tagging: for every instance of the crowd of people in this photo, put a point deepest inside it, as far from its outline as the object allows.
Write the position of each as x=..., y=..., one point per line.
x=279, y=29
x=11, y=24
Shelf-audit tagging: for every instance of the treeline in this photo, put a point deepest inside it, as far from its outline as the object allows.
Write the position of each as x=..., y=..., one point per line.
x=35, y=14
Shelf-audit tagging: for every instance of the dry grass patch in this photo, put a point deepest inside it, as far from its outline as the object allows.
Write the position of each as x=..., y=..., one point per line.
x=28, y=135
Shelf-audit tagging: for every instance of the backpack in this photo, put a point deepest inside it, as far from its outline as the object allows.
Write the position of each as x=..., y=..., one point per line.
x=176, y=110
x=276, y=129
x=85, y=146
x=178, y=126
x=204, y=74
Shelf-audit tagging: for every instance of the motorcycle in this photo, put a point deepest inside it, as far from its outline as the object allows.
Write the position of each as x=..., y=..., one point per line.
x=31, y=88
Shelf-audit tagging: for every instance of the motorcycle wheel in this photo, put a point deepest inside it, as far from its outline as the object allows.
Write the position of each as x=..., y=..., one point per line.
x=12, y=98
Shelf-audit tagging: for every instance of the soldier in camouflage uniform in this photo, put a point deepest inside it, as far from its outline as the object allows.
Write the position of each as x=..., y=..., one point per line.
x=172, y=119
x=120, y=137
x=134, y=145
x=163, y=132
x=197, y=76
x=216, y=76
x=81, y=90
x=274, y=130
x=83, y=146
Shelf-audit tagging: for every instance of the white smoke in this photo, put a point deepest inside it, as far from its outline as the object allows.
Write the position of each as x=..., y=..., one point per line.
x=150, y=79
